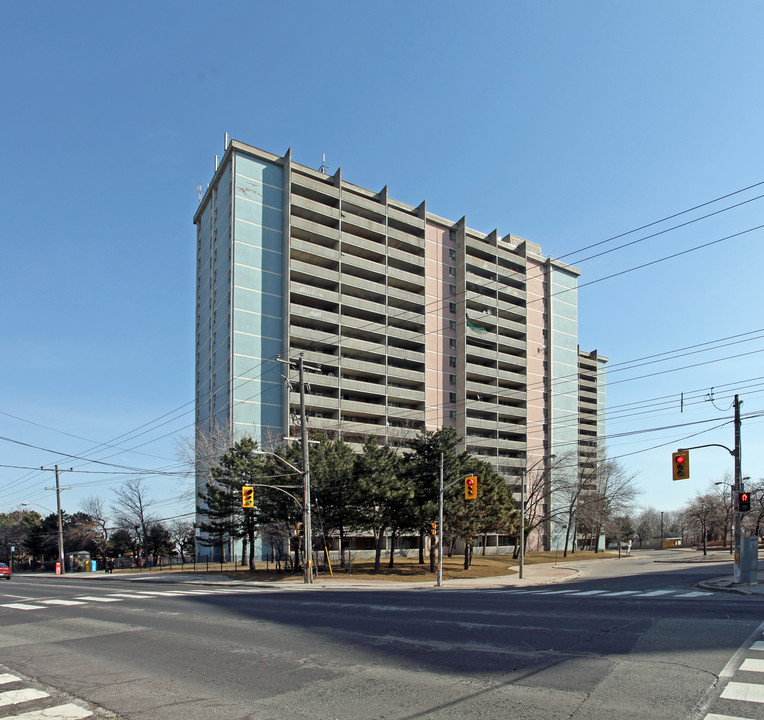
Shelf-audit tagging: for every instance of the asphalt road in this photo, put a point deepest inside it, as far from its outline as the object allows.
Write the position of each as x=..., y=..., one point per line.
x=624, y=640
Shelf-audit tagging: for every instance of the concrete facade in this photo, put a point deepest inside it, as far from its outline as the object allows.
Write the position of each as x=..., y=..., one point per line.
x=416, y=322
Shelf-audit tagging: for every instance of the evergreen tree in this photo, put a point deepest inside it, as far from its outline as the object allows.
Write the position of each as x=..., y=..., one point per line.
x=384, y=493
x=423, y=465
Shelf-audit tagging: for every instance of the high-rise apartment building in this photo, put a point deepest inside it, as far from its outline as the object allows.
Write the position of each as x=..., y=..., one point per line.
x=411, y=321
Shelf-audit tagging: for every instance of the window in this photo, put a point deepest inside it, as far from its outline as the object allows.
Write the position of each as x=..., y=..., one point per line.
x=452, y=289
x=452, y=343
x=452, y=379
x=452, y=253
x=452, y=325
x=452, y=396
x=451, y=271
x=452, y=415
x=451, y=361
x=452, y=235
x=452, y=307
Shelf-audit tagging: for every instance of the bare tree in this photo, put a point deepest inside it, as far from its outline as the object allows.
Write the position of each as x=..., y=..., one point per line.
x=647, y=524
x=700, y=513
x=181, y=534
x=545, y=479
x=615, y=495
x=131, y=509
x=200, y=454
x=722, y=490
x=93, y=506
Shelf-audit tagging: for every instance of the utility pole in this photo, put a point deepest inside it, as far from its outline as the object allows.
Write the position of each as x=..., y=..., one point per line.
x=738, y=489
x=306, y=516
x=440, y=525
x=305, y=476
x=58, y=490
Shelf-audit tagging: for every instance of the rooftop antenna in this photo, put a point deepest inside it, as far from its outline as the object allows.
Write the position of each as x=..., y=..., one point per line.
x=324, y=167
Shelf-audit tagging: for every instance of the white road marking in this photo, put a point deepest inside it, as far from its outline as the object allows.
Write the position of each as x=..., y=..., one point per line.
x=621, y=592
x=60, y=712
x=694, y=593
x=8, y=678
x=751, y=665
x=93, y=598
x=714, y=716
x=62, y=602
x=12, y=697
x=655, y=593
x=744, y=691
x=590, y=592
x=758, y=645
x=132, y=596
x=22, y=606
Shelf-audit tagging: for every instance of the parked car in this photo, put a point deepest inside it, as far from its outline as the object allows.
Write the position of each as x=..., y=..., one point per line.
x=5, y=571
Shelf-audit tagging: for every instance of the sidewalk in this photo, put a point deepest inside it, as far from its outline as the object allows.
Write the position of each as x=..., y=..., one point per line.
x=536, y=574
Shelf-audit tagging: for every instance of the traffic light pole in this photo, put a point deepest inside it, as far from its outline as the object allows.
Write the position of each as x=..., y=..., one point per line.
x=441, y=493
x=737, y=487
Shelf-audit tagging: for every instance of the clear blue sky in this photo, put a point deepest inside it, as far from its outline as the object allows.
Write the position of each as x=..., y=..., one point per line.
x=566, y=123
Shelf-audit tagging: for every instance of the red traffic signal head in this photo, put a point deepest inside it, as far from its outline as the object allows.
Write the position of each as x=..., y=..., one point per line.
x=680, y=465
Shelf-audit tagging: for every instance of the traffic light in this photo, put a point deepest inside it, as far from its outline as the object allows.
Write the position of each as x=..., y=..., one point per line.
x=247, y=496
x=433, y=528
x=300, y=529
x=744, y=501
x=470, y=487
x=680, y=463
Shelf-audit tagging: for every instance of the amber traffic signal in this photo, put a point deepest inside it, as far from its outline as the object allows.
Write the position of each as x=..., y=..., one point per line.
x=433, y=528
x=247, y=496
x=470, y=487
x=680, y=464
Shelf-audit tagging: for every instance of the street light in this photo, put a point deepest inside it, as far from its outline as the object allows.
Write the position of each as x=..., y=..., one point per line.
x=305, y=507
x=523, y=477
x=60, y=534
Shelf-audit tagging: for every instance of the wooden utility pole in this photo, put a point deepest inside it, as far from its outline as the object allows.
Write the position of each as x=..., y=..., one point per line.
x=58, y=489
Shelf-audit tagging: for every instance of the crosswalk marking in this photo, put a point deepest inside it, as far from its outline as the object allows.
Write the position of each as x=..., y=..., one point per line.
x=13, y=697
x=744, y=691
x=752, y=665
x=621, y=592
x=8, y=678
x=655, y=593
x=694, y=593
x=63, y=602
x=94, y=598
x=22, y=606
x=715, y=716
x=758, y=645
x=69, y=711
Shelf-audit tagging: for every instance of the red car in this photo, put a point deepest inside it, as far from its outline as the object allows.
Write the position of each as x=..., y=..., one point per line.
x=5, y=571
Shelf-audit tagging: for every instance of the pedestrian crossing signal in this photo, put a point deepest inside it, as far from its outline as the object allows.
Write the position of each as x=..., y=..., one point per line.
x=744, y=502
